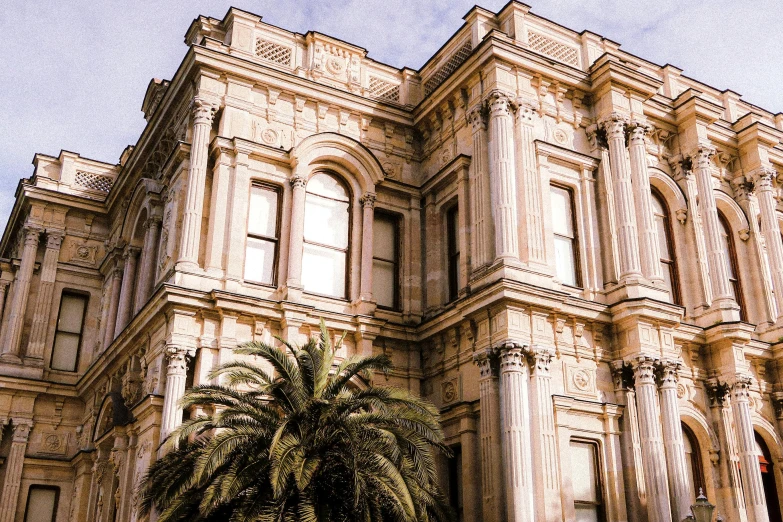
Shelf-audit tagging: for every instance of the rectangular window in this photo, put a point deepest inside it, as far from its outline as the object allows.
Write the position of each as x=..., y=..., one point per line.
x=564, y=228
x=385, y=261
x=262, y=235
x=41, y=504
x=586, y=481
x=452, y=239
x=455, y=481
x=68, y=337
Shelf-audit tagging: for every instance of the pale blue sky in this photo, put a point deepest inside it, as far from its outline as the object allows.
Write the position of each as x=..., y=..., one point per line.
x=73, y=73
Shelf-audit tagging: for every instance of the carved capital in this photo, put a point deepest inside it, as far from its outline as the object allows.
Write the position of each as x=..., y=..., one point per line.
x=368, y=200
x=540, y=357
x=131, y=251
x=596, y=136
x=614, y=126
x=701, y=156
x=31, y=235
x=762, y=178
x=204, y=110
x=512, y=357
x=298, y=182
x=667, y=374
x=54, y=239
x=476, y=118
x=638, y=131
x=717, y=391
x=499, y=104
x=487, y=362
x=644, y=370
x=525, y=111
x=177, y=360
x=622, y=375
x=740, y=389
x=22, y=429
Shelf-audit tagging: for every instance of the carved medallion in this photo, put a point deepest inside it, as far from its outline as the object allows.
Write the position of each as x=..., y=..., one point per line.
x=269, y=136
x=681, y=391
x=581, y=379
x=335, y=65
x=560, y=136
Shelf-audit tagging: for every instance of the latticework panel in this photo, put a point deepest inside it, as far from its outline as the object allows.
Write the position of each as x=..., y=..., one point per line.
x=273, y=52
x=384, y=90
x=457, y=59
x=552, y=48
x=93, y=181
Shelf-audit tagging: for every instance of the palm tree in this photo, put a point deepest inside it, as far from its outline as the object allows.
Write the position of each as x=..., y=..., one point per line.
x=303, y=444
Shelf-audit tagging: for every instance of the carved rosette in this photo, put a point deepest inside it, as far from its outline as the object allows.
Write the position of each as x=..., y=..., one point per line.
x=614, y=126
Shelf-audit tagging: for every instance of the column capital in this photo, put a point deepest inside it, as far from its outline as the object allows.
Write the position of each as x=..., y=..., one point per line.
x=499, y=104
x=622, y=374
x=487, y=362
x=667, y=373
x=740, y=388
x=204, y=109
x=717, y=391
x=540, y=357
x=21, y=429
x=644, y=369
x=54, y=238
x=477, y=118
x=178, y=359
x=701, y=155
x=153, y=221
x=298, y=182
x=32, y=234
x=638, y=131
x=762, y=177
x=614, y=125
x=596, y=136
x=512, y=356
x=368, y=199
x=525, y=110
x=131, y=251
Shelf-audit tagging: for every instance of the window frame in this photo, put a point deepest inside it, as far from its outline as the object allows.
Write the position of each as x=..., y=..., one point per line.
x=579, y=284
x=599, y=480
x=349, y=246
x=276, y=240
x=56, y=490
x=396, y=219
x=453, y=252
x=674, y=274
x=696, y=471
x=736, y=281
x=86, y=297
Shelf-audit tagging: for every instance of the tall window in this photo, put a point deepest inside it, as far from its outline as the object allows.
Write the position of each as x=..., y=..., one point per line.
x=455, y=481
x=452, y=239
x=68, y=336
x=731, y=263
x=586, y=481
x=693, y=458
x=41, y=504
x=263, y=235
x=326, y=232
x=666, y=246
x=385, y=260
x=564, y=228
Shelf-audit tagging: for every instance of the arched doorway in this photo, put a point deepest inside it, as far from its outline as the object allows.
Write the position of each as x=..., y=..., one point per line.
x=768, y=479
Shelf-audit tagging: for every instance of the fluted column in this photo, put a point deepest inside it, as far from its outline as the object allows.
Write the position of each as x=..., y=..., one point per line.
x=146, y=275
x=544, y=439
x=493, y=498
x=13, y=469
x=368, y=205
x=176, y=374
x=719, y=275
x=124, y=310
x=113, y=296
x=755, y=502
x=481, y=203
x=771, y=231
x=631, y=448
x=502, y=178
x=43, y=306
x=13, y=333
x=677, y=468
x=625, y=214
x=649, y=246
x=203, y=113
x=653, y=459
x=527, y=170
x=515, y=416
x=296, y=242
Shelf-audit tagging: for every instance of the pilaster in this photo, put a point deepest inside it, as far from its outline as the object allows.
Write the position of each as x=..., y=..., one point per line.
x=13, y=332
x=531, y=213
x=365, y=293
x=13, y=469
x=43, y=305
x=293, y=289
x=676, y=465
x=481, y=204
x=493, y=492
x=544, y=441
x=125, y=305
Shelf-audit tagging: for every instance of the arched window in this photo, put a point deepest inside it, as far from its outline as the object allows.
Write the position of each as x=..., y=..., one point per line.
x=768, y=480
x=326, y=233
x=730, y=252
x=693, y=458
x=666, y=243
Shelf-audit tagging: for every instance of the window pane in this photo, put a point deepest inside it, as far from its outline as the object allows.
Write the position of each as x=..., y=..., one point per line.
x=65, y=351
x=323, y=271
x=663, y=238
x=326, y=221
x=564, y=260
x=328, y=186
x=667, y=280
x=71, y=313
x=562, y=221
x=725, y=238
x=583, y=472
x=260, y=260
x=383, y=283
x=263, y=212
x=586, y=513
x=41, y=504
x=384, y=238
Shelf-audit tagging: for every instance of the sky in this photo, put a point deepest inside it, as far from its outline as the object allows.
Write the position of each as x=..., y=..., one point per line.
x=73, y=73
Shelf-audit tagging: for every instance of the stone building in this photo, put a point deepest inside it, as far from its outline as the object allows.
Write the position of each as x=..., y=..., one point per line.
x=575, y=253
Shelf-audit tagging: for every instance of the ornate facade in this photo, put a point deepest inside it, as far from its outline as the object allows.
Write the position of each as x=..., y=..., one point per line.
x=575, y=253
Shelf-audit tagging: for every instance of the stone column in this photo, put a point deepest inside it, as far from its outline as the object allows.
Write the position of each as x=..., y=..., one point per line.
x=771, y=231
x=544, y=438
x=481, y=204
x=653, y=459
x=471, y=492
x=146, y=275
x=114, y=302
x=125, y=307
x=719, y=275
x=176, y=375
x=13, y=332
x=237, y=232
x=729, y=486
x=527, y=171
x=649, y=246
x=676, y=465
x=631, y=448
x=296, y=242
x=43, y=306
x=203, y=113
x=368, y=216
x=502, y=177
x=13, y=469
x=493, y=501
x=625, y=215
x=515, y=415
x=220, y=205
x=5, y=293
x=755, y=502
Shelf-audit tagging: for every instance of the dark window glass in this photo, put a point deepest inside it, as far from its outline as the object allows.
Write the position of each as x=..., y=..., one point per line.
x=452, y=239
x=68, y=336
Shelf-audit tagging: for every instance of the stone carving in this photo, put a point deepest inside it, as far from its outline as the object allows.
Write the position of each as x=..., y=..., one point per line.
x=580, y=380
x=450, y=391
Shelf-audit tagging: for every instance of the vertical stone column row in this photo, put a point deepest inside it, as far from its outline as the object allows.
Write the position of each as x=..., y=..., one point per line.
x=755, y=501
x=502, y=177
x=527, y=169
x=13, y=332
x=677, y=468
x=125, y=305
x=493, y=500
x=13, y=469
x=654, y=461
x=649, y=246
x=625, y=214
x=771, y=231
x=298, y=184
x=368, y=216
x=43, y=306
x=543, y=424
x=481, y=204
x=176, y=374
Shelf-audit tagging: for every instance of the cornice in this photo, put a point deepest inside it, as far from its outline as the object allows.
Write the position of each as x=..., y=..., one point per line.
x=609, y=71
